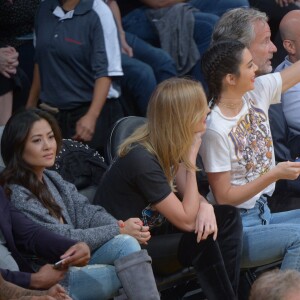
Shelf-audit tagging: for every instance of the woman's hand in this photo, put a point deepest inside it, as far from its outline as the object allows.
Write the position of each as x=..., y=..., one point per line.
x=206, y=223
x=287, y=170
x=195, y=147
x=135, y=228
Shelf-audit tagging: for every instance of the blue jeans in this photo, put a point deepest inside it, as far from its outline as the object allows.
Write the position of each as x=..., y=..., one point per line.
x=148, y=66
x=98, y=280
x=160, y=61
x=270, y=237
x=218, y=7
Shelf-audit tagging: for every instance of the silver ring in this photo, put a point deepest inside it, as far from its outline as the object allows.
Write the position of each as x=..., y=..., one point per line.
x=141, y=228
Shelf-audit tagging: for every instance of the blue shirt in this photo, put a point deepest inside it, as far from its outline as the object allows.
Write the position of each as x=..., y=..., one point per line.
x=291, y=101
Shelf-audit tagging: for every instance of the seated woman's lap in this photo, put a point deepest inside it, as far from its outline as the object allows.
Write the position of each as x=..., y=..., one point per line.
x=264, y=244
x=174, y=250
x=290, y=217
x=99, y=277
x=120, y=246
x=270, y=237
x=228, y=241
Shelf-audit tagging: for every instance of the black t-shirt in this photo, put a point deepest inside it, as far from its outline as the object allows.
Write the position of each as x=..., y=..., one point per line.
x=132, y=183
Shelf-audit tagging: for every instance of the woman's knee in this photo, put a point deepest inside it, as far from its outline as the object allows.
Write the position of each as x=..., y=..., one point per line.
x=127, y=244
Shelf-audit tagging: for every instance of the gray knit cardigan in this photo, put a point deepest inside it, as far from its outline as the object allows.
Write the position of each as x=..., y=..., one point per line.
x=83, y=221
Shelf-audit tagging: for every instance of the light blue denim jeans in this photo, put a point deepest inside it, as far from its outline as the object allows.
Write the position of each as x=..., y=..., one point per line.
x=98, y=280
x=270, y=237
x=148, y=66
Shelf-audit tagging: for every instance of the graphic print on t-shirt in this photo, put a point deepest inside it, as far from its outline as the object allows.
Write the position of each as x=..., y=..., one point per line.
x=253, y=142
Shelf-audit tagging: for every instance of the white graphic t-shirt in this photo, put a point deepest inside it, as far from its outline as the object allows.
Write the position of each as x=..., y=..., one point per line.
x=243, y=144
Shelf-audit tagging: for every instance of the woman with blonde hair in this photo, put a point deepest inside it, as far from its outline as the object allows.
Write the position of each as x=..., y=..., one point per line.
x=154, y=177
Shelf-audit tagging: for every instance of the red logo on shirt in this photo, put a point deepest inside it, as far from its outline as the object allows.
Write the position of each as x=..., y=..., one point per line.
x=72, y=41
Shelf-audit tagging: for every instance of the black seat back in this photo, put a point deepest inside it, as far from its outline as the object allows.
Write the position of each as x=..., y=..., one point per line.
x=122, y=129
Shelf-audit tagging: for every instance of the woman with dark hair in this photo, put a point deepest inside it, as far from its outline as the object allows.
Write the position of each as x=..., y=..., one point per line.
x=29, y=144
x=155, y=175
x=238, y=153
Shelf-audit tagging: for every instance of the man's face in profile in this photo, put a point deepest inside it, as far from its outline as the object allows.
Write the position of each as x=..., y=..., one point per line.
x=262, y=48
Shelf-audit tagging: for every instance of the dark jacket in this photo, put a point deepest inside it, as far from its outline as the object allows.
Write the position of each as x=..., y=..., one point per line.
x=23, y=235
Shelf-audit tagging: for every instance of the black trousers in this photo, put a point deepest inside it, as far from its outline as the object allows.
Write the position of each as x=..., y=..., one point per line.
x=111, y=112
x=217, y=263
x=6, y=85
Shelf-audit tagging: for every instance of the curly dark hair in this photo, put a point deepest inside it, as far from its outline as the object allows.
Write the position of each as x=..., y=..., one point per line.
x=220, y=59
x=17, y=171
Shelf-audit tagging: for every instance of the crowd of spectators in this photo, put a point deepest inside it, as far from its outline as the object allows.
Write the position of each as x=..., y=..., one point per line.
x=88, y=63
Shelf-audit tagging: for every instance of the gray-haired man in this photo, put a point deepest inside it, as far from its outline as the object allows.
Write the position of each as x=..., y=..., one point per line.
x=250, y=27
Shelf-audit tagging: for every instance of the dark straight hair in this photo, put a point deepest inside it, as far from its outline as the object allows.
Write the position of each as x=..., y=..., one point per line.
x=17, y=171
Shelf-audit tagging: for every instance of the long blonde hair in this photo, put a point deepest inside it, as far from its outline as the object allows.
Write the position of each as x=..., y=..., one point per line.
x=175, y=107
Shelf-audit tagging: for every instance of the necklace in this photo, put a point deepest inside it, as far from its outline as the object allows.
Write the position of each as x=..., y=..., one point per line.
x=230, y=105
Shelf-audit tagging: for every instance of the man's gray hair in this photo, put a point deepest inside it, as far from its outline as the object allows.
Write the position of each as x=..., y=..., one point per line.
x=276, y=285
x=238, y=24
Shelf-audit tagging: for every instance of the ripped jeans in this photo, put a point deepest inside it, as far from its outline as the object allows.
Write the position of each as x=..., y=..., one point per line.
x=98, y=280
x=270, y=237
